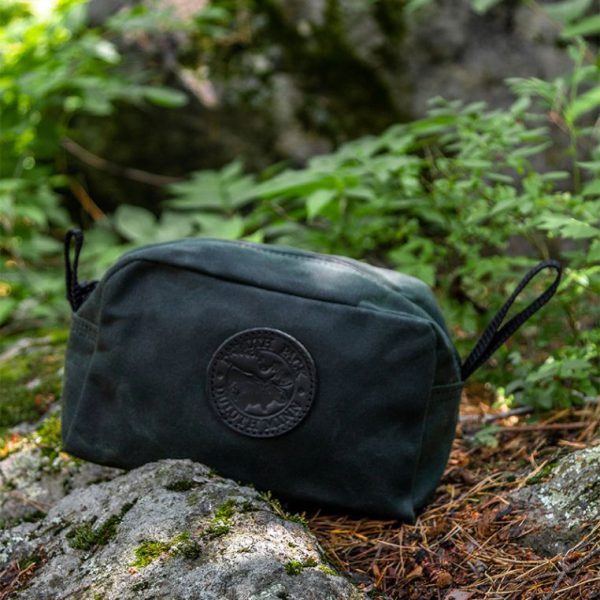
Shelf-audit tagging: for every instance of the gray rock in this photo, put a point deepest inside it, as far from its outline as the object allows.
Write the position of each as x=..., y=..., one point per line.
x=31, y=483
x=171, y=529
x=560, y=509
x=459, y=54
x=297, y=77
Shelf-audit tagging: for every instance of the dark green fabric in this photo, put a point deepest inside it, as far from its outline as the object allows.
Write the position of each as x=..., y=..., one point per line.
x=378, y=435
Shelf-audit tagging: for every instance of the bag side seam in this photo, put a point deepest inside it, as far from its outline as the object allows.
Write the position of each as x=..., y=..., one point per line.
x=84, y=328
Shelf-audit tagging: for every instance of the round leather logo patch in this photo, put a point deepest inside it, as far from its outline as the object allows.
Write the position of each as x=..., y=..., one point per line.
x=262, y=382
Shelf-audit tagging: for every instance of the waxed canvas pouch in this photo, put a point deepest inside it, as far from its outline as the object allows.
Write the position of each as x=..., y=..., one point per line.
x=323, y=379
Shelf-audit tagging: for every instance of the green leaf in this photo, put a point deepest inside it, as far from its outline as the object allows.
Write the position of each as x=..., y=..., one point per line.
x=76, y=17
x=544, y=400
x=486, y=436
x=317, y=201
x=568, y=10
x=7, y=308
x=504, y=206
x=591, y=165
x=233, y=170
x=293, y=184
x=173, y=226
x=134, y=223
x=41, y=245
x=588, y=101
x=531, y=150
x=220, y=227
x=163, y=96
x=228, y=189
x=571, y=367
x=412, y=6
x=433, y=124
x=202, y=190
x=594, y=252
x=588, y=26
x=240, y=192
x=482, y=6
x=568, y=227
x=415, y=258
x=95, y=104
x=555, y=175
x=591, y=188
x=107, y=52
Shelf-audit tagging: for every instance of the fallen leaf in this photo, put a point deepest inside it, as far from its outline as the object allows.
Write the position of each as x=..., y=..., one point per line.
x=458, y=595
x=416, y=572
x=442, y=579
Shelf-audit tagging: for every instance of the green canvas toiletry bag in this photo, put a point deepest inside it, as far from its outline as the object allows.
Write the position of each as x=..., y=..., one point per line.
x=320, y=378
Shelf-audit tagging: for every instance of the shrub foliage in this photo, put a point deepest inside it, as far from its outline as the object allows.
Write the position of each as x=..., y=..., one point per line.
x=457, y=198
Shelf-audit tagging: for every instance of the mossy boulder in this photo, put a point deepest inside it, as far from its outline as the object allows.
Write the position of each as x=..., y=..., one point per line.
x=146, y=535
x=34, y=471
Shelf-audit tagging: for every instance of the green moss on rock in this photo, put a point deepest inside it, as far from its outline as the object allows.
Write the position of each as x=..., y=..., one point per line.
x=278, y=509
x=217, y=530
x=48, y=436
x=181, y=545
x=182, y=485
x=28, y=518
x=328, y=570
x=36, y=558
x=225, y=511
x=220, y=524
x=148, y=551
x=87, y=537
x=30, y=381
x=542, y=474
x=184, y=545
x=140, y=586
x=295, y=567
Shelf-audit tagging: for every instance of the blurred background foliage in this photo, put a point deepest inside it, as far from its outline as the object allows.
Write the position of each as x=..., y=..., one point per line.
x=465, y=196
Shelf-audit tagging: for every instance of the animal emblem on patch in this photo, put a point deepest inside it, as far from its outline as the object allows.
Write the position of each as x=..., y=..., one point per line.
x=261, y=382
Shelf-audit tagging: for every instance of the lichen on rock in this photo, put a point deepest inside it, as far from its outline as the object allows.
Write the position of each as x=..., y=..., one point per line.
x=145, y=534
x=36, y=473
x=561, y=508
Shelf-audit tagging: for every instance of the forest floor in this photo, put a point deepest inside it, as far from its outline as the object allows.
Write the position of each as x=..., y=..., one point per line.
x=468, y=543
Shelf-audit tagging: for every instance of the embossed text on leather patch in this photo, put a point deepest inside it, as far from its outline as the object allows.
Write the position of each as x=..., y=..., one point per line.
x=262, y=382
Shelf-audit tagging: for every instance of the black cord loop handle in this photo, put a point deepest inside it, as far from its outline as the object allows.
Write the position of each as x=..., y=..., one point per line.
x=76, y=292
x=494, y=336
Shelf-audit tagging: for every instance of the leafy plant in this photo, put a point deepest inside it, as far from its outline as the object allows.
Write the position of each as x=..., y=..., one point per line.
x=53, y=67
x=456, y=198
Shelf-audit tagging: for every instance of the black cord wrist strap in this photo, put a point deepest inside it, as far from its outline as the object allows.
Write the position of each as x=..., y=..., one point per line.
x=494, y=335
x=76, y=292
